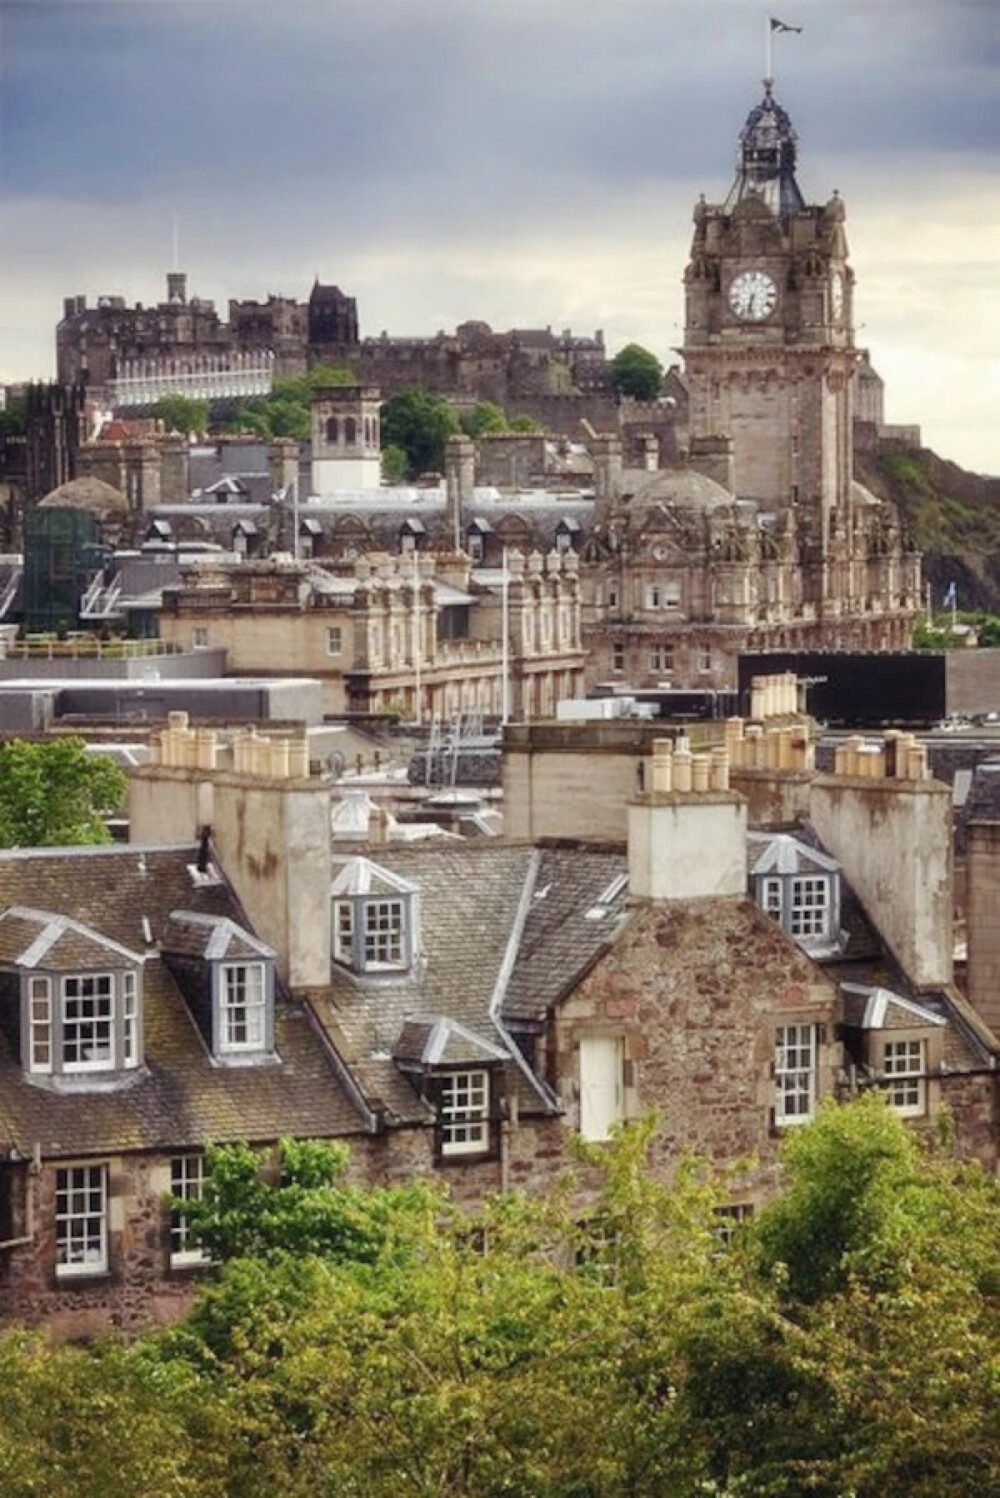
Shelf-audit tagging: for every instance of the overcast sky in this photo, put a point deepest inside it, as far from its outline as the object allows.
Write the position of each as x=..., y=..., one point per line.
x=529, y=162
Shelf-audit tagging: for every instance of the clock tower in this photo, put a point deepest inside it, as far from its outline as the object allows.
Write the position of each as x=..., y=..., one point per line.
x=769, y=343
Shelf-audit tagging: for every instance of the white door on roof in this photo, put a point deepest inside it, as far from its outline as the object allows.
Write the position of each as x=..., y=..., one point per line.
x=601, y=1100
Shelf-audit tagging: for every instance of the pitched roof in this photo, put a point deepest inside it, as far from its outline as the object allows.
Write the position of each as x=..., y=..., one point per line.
x=46, y=939
x=180, y=1098
x=212, y=937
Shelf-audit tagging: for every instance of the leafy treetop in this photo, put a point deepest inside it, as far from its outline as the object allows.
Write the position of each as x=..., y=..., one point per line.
x=637, y=372
x=55, y=794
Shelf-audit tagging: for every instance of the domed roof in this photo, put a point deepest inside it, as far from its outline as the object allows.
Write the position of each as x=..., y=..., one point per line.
x=85, y=494
x=680, y=487
x=766, y=159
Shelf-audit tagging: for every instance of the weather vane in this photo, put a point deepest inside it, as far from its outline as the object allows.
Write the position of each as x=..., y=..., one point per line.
x=771, y=26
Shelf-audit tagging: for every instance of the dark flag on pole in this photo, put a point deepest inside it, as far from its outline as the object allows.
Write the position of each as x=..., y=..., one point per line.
x=780, y=26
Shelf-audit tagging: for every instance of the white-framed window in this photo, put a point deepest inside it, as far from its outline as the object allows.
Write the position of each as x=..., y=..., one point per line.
x=385, y=933
x=794, y=1073
x=407, y=542
x=653, y=596
x=672, y=594
x=773, y=898
x=88, y=1022
x=343, y=930
x=731, y=1218
x=465, y=1112
x=130, y=1019
x=618, y=656
x=187, y=1181
x=810, y=913
x=602, y=1093
x=612, y=595
x=661, y=657
x=475, y=546
x=705, y=659
x=903, y=1065
x=199, y=638
x=81, y=1220
x=242, y=1006
x=40, y=1024
x=334, y=639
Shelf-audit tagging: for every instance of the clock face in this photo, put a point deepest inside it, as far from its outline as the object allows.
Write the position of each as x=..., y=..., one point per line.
x=837, y=295
x=753, y=295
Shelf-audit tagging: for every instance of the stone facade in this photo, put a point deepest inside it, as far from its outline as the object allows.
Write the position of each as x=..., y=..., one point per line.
x=380, y=632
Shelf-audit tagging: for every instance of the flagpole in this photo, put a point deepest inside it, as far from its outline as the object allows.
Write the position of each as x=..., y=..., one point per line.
x=295, y=519
x=416, y=639
x=768, y=33
x=505, y=627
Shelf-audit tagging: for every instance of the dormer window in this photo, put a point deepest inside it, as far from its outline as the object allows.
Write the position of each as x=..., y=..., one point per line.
x=374, y=918
x=799, y=887
x=226, y=974
x=64, y=1020
x=242, y=1005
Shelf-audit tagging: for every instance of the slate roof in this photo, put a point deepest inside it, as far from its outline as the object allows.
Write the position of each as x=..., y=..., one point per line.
x=470, y=902
x=180, y=1098
x=189, y=933
x=578, y=901
x=782, y=853
x=43, y=939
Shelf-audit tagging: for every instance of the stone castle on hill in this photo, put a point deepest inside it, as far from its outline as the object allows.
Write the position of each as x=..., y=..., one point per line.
x=131, y=354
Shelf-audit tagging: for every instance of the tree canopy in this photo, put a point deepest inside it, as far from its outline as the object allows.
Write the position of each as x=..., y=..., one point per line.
x=637, y=372
x=419, y=424
x=181, y=414
x=286, y=411
x=386, y=1342
x=55, y=794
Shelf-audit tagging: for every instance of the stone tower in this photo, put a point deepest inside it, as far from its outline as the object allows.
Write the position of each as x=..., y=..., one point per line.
x=346, y=443
x=769, y=344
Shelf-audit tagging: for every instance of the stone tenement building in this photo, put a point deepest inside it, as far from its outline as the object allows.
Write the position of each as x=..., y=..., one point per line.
x=461, y=1009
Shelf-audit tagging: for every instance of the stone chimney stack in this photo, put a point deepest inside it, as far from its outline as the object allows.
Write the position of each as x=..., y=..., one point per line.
x=270, y=829
x=283, y=463
x=174, y=487
x=460, y=481
x=982, y=897
x=687, y=834
x=606, y=454
x=892, y=836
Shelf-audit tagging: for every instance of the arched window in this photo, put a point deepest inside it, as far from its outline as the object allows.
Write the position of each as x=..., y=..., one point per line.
x=333, y=429
x=350, y=431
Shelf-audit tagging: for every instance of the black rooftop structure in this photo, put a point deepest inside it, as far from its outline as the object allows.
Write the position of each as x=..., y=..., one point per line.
x=765, y=162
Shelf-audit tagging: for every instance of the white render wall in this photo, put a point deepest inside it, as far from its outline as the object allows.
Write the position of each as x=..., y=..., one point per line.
x=892, y=839
x=687, y=846
x=334, y=475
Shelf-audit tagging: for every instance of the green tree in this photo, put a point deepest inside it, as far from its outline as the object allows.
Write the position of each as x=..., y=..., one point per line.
x=181, y=414
x=101, y=1423
x=420, y=424
x=637, y=372
x=394, y=465
x=54, y=794
x=525, y=423
x=485, y=417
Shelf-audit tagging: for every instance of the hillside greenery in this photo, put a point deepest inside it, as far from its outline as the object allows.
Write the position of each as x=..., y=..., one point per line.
x=951, y=516
x=386, y=1344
